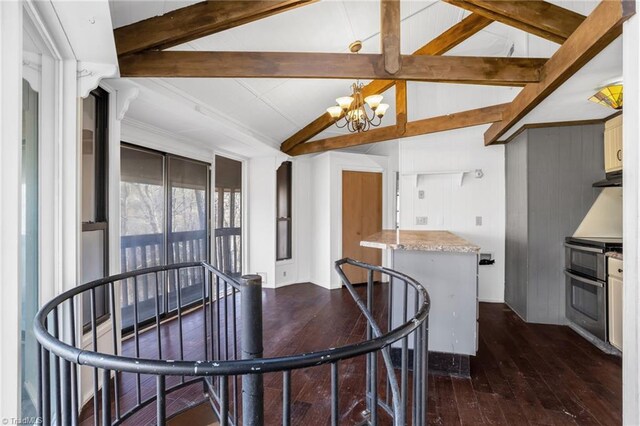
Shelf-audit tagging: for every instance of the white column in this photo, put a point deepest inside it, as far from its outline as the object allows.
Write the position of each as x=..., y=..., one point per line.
x=10, y=149
x=631, y=218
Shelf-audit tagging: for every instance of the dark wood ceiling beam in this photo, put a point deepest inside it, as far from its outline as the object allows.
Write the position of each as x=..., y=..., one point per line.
x=474, y=117
x=390, y=34
x=455, y=69
x=537, y=17
x=195, y=21
x=600, y=28
x=438, y=46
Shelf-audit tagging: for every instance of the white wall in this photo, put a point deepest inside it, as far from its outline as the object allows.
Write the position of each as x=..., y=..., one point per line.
x=298, y=268
x=326, y=215
x=631, y=218
x=451, y=207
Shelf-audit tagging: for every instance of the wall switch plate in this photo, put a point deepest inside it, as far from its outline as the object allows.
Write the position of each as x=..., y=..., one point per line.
x=422, y=220
x=478, y=220
x=421, y=194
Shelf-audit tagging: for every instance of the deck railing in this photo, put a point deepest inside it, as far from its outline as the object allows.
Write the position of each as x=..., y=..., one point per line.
x=147, y=250
x=231, y=363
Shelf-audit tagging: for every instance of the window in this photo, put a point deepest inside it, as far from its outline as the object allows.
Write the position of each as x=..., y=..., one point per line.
x=227, y=205
x=94, y=201
x=164, y=219
x=283, y=215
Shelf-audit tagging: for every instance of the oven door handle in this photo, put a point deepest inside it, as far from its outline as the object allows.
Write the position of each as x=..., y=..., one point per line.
x=583, y=248
x=584, y=280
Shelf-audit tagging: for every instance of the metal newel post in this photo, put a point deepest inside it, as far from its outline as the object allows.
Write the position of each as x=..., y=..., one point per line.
x=251, y=343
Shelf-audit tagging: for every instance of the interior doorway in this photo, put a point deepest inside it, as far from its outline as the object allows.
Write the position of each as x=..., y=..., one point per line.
x=361, y=217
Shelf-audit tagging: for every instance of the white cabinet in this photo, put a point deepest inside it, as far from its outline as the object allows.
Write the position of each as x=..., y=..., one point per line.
x=613, y=145
x=615, y=302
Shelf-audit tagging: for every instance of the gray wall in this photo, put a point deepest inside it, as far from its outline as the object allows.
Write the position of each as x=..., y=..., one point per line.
x=549, y=172
x=515, y=290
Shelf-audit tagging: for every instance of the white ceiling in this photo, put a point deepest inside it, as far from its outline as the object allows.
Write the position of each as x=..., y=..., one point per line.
x=271, y=110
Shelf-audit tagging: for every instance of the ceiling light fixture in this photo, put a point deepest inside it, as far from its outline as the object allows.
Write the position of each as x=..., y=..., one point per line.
x=609, y=95
x=354, y=108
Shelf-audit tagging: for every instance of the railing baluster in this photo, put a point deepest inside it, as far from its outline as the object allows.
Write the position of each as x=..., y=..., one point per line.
x=179, y=307
x=114, y=341
x=65, y=371
x=235, y=352
x=204, y=318
x=158, y=328
x=371, y=404
x=374, y=388
x=218, y=340
x=40, y=387
x=106, y=397
x=56, y=366
x=404, y=363
x=224, y=401
x=424, y=372
x=335, y=410
x=286, y=398
x=211, y=322
x=161, y=403
x=94, y=338
x=416, y=354
x=74, y=367
x=136, y=336
x=226, y=320
x=46, y=386
x=389, y=328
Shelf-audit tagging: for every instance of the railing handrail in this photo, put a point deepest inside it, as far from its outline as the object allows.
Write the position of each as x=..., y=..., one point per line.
x=221, y=367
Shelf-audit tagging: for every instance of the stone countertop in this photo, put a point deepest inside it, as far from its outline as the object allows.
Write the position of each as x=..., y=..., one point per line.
x=420, y=240
x=614, y=254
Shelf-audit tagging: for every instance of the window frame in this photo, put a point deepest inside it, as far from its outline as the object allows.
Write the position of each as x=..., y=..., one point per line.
x=101, y=188
x=288, y=176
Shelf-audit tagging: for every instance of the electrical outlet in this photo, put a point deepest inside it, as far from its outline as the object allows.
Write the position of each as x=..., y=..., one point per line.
x=422, y=220
x=478, y=220
x=284, y=273
x=421, y=194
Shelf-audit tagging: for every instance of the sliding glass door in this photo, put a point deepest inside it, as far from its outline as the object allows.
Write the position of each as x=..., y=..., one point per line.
x=142, y=228
x=164, y=205
x=188, y=223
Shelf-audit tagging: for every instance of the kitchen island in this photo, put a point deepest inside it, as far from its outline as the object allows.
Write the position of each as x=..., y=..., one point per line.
x=447, y=266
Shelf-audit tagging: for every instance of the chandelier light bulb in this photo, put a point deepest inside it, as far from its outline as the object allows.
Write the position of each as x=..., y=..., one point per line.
x=345, y=102
x=334, y=111
x=373, y=101
x=382, y=108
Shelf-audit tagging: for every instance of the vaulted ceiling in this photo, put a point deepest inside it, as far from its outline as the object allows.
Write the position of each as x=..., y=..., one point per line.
x=271, y=110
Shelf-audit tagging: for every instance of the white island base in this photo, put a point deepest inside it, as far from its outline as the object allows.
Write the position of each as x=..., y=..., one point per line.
x=447, y=266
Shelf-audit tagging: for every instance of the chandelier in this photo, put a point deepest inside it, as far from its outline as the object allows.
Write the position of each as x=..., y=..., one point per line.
x=359, y=113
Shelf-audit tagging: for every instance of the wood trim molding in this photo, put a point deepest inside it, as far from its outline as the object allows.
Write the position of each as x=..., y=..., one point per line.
x=438, y=46
x=561, y=124
x=600, y=28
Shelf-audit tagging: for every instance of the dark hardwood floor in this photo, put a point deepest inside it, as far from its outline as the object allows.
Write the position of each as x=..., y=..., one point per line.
x=523, y=373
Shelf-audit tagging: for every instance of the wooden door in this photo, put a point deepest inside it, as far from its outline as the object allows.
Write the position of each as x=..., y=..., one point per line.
x=361, y=217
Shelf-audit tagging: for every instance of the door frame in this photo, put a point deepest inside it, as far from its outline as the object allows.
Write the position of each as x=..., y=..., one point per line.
x=336, y=212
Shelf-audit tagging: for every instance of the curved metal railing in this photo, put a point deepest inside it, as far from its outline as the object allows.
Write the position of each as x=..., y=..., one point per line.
x=231, y=352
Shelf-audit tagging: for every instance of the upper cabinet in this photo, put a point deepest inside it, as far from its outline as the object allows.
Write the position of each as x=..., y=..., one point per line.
x=613, y=145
